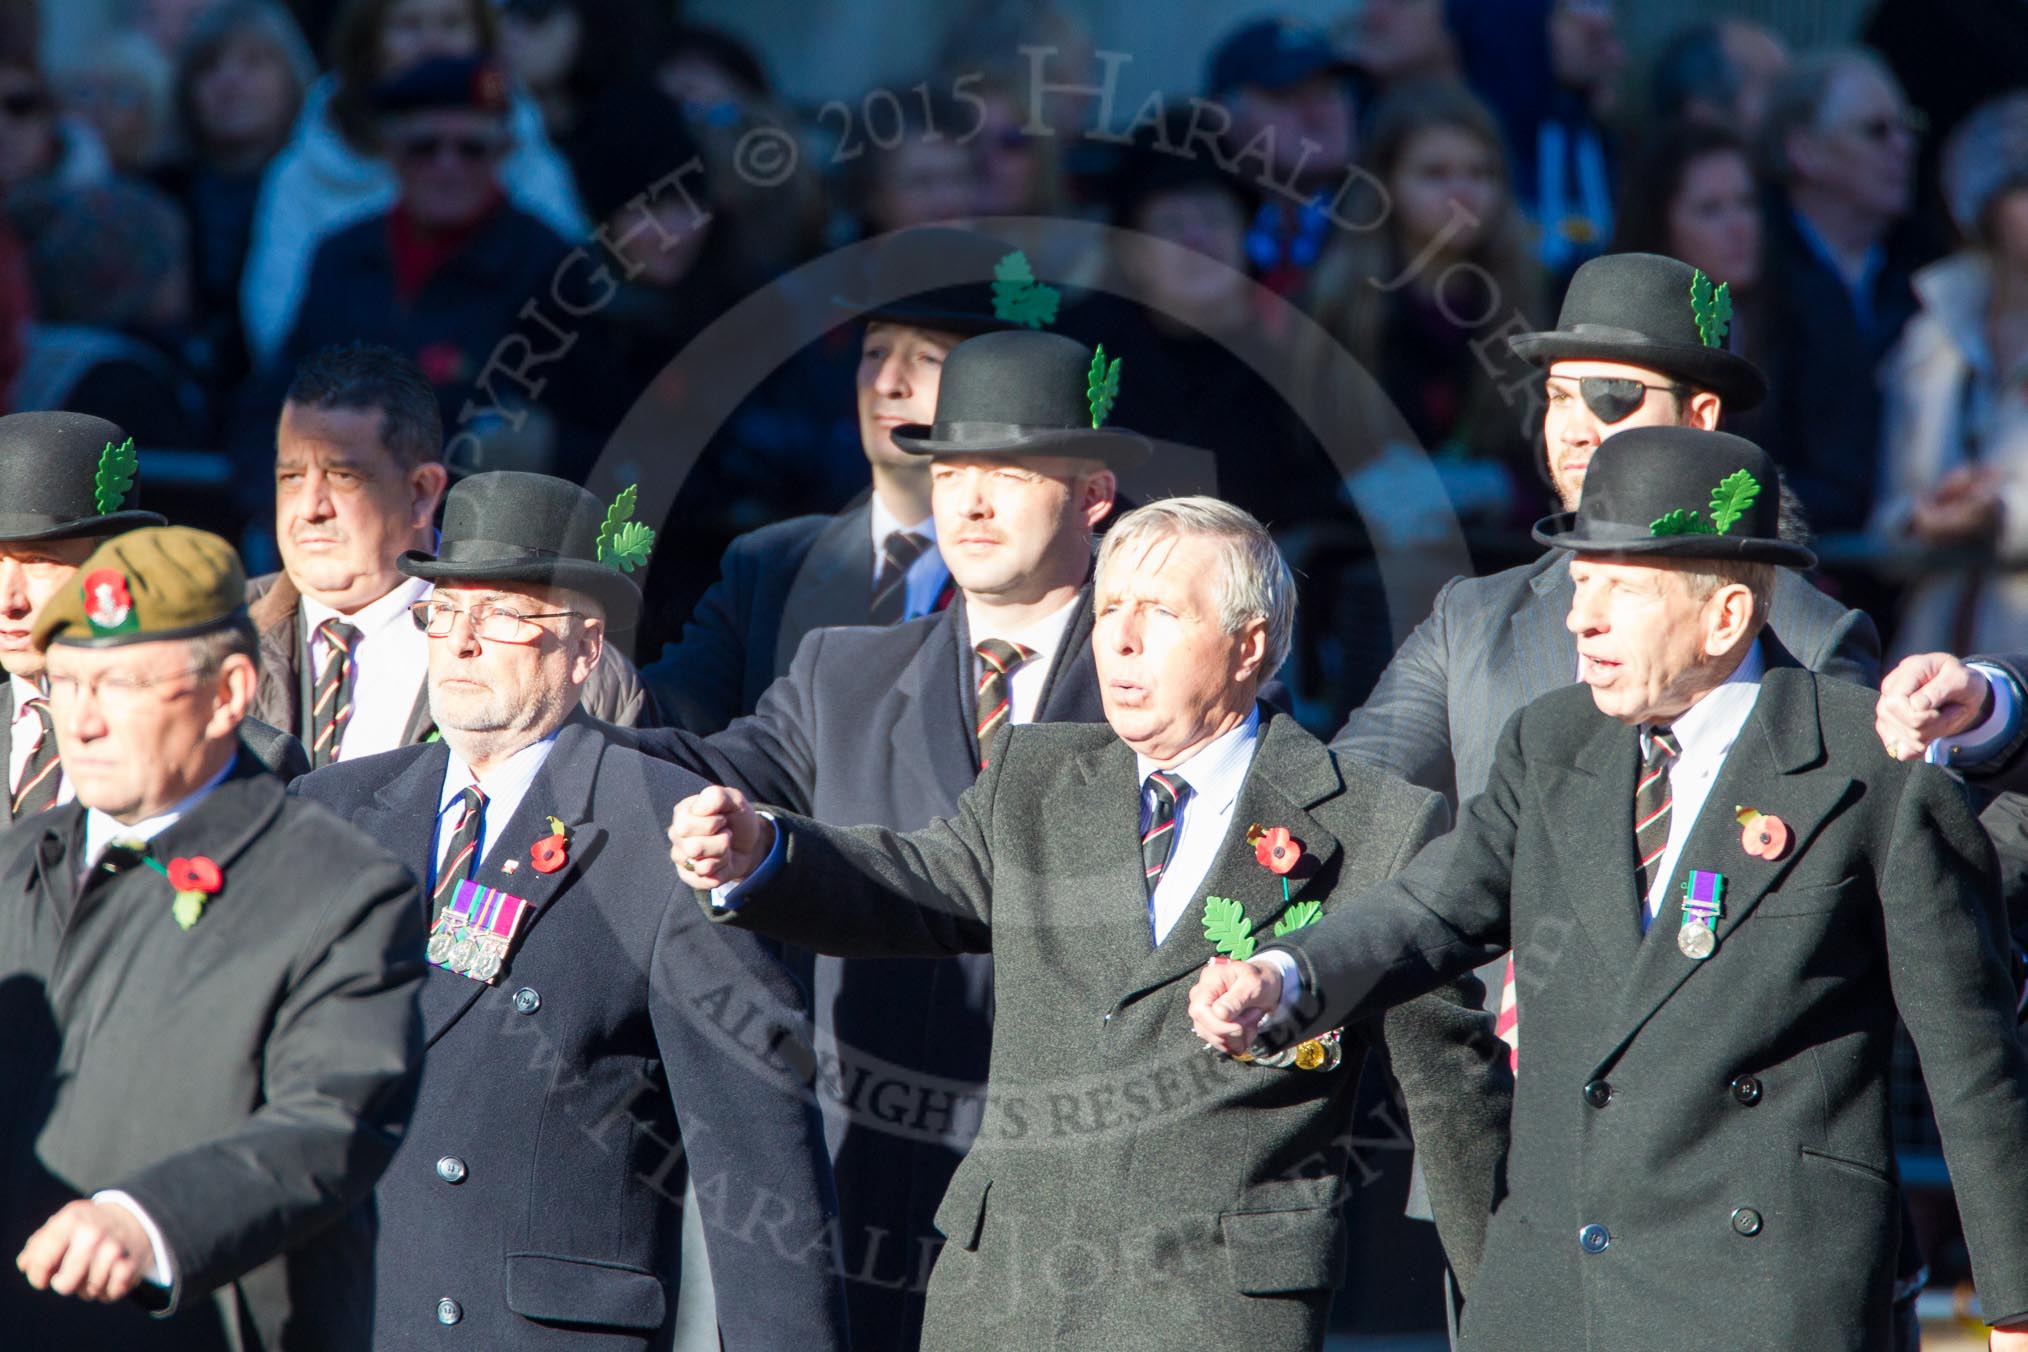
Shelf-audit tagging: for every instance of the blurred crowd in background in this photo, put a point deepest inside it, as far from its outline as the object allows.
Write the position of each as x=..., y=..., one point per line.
x=222, y=186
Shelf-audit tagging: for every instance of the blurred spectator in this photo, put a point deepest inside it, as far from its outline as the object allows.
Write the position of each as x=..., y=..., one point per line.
x=1549, y=71
x=17, y=311
x=1720, y=72
x=1409, y=302
x=120, y=86
x=1955, y=472
x=440, y=275
x=711, y=73
x=1289, y=96
x=331, y=174
x=563, y=52
x=1396, y=42
x=37, y=145
x=1838, y=148
x=239, y=86
x=1019, y=174
x=108, y=264
x=985, y=35
x=166, y=24
x=1691, y=195
x=921, y=176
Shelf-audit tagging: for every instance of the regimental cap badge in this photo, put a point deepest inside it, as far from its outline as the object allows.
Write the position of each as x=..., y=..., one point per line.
x=108, y=603
x=1730, y=501
x=1018, y=298
x=625, y=543
x=1712, y=307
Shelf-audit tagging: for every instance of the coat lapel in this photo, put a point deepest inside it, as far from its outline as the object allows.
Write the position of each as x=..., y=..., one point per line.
x=562, y=788
x=934, y=725
x=834, y=586
x=1071, y=694
x=1594, y=798
x=1542, y=640
x=1782, y=738
x=1290, y=774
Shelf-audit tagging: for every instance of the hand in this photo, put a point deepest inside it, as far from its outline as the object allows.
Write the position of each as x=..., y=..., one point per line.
x=91, y=1250
x=1229, y=1001
x=716, y=838
x=1925, y=697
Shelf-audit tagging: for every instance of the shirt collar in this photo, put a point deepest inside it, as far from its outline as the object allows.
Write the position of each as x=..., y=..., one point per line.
x=102, y=828
x=509, y=779
x=1042, y=638
x=885, y=525
x=1218, y=769
x=374, y=616
x=1716, y=719
x=24, y=691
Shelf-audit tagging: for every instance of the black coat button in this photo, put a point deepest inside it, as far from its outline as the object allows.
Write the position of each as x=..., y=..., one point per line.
x=1747, y=1090
x=526, y=1001
x=449, y=1311
x=451, y=1169
x=1598, y=1093
x=1746, y=1221
x=1594, y=1239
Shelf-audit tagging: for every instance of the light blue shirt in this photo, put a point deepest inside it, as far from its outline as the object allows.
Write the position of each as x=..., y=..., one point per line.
x=926, y=576
x=504, y=788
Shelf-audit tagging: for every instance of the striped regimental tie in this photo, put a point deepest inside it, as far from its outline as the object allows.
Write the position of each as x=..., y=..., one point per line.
x=331, y=697
x=898, y=553
x=461, y=852
x=997, y=660
x=36, y=789
x=1158, y=842
x=1652, y=801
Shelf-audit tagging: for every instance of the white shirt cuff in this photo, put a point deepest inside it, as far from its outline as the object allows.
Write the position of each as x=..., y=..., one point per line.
x=1973, y=747
x=163, y=1273
x=1292, y=984
x=728, y=896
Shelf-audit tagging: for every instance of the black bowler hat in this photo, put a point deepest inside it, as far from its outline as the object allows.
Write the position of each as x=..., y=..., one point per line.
x=65, y=475
x=1026, y=393
x=1653, y=312
x=1681, y=493
x=936, y=277
x=510, y=526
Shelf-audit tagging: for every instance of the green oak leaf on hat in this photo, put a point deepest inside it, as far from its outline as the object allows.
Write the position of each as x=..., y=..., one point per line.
x=1682, y=493
x=67, y=475
x=510, y=526
x=1653, y=312
x=1020, y=392
x=145, y=586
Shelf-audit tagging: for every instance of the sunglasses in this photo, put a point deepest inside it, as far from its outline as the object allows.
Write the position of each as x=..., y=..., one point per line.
x=1615, y=397
x=427, y=147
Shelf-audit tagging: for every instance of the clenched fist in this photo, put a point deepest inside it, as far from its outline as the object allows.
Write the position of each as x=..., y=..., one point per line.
x=716, y=838
x=1925, y=697
x=90, y=1250
x=1229, y=1001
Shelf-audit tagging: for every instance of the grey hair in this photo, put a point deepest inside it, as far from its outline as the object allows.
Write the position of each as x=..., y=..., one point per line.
x=1705, y=576
x=1253, y=581
x=1797, y=101
x=210, y=649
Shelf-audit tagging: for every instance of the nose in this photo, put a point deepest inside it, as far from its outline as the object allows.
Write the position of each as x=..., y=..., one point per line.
x=464, y=635
x=891, y=382
x=1585, y=617
x=13, y=590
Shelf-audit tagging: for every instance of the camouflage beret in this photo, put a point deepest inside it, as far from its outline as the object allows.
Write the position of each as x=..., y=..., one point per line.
x=160, y=582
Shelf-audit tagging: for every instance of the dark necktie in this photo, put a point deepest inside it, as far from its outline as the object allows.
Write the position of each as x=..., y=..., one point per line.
x=898, y=554
x=331, y=698
x=461, y=851
x=1652, y=801
x=1158, y=842
x=36, y=789
x=997, y=660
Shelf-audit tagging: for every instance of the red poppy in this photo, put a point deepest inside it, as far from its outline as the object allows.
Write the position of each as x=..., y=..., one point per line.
x=548, y=854
x=1278, y=851
x=195, y=874
x=1765, y=837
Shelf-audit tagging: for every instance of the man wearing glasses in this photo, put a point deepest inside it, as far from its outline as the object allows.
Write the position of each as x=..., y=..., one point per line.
x=594, y=1046
x=209, y=990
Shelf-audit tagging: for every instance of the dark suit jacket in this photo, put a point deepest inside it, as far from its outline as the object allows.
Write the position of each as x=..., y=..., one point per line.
x=1493, y=644
x=627, y=1048
x=245, y=1081
x=1724, y=1122
x=876, y=725
x=1127, y=1191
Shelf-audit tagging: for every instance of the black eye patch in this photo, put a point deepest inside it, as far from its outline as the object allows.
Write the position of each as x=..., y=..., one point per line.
x=1611, y=397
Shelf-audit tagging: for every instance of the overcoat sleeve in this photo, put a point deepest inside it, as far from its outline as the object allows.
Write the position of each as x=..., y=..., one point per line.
x=698, y=680
x=1405, y=724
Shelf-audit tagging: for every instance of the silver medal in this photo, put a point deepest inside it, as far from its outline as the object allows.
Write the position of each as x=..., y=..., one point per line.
x=1696, y=940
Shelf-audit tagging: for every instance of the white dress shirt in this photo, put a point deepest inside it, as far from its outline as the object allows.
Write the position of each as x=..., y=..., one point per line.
x=1026, y=681
x=22, y=735
x=926, y=576
x=1705, y=732
x=101, y=830
x=504, y=788
x=390, y=662
x=1203, y=817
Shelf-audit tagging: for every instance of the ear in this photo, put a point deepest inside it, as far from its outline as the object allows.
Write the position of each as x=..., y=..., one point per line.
x=585, y=651
x=1252, y=653
x=1729, y=619
x=234, y=696
x=1101, y=490
x=1703, y=410
x=426, y=485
